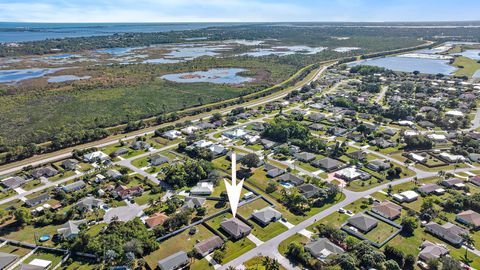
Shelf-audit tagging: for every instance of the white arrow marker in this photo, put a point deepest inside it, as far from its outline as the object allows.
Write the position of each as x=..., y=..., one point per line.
x=234, y=190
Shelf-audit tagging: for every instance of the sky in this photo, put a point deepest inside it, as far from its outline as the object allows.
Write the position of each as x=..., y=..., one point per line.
x=237, y=10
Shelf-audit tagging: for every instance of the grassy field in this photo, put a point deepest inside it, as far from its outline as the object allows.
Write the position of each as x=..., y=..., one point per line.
x=38, y=113
x=19, y=251
x=237, y=248
x=55, y=258
x=296, y=238
x=248, y=209
x=381, y=232
x=268, y=232
x=181, y=242
x=467, y=67
x=255, y=263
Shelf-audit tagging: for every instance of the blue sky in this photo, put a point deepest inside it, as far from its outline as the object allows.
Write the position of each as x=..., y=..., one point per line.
x=236, y=10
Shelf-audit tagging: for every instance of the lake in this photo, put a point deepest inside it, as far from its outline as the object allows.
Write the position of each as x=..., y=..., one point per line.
x=406, y=64
x=472, y=54
x=66, y=78
x=20, y=32
x=16, y=75
x=215, y=75
x=284, y=50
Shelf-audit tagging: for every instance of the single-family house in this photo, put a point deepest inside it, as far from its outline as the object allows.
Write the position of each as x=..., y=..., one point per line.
x=70, y=164
x=95, y=156
x=37, y=200
x=428, y=189
x=113, y=174
x=13, y=182
x=70, y=229
x=453, y=183
x=156, y=160
x=207, y=246
x=448, y=232
x=123, y=192
x=44, y=172
x=89, y=203
x=362, y=222
x=77, y=185
x=406, y=196
x=308, y=190
x=171, y=134
x=266, y=215
x=155, y=220
x=273, y=171
x=291, y=178
x=202, y=189
x=235, y=228
x=322, y=249
x=173, y=262
x=431, y=251
x=387, y=209
x=305, y=156
x=328, y=164
x=140, y=145
x=193, y=202
x=378, y=165
x=470, y=218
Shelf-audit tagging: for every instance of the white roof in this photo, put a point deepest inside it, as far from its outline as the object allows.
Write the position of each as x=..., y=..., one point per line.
x=41, y=263
x=452, y=157
x=409, y=194
x=437, y=137
x=189, y=129
x=409, y=133
x=454, y=113
x=405, y=123
x=349, y=173
x=417, y=157
x=94, y=155
x=202, y=143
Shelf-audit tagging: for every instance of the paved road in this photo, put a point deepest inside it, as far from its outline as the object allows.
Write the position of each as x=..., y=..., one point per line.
x=381, y=95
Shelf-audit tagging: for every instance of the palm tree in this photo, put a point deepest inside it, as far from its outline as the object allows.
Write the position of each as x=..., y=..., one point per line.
x=270, y=264
x=468, y=241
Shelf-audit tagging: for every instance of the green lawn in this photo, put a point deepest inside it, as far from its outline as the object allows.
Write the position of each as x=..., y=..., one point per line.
x=79, y=264
x=296, y=238
x=215, y=222
x=381, y=232
x=247, y=209
x=29, y=232
x=467, y=66
x=268, y=232
x=141, y=162
x=181, y=242
x=61, y=175
x=237, y=248
x=146, y=196
x=256, y=263
x=32, y=184
x=19, y=251
x=55, y=258
x=202, y=264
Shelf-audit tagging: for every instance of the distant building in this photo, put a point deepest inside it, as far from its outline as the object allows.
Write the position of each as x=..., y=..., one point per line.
x=406, y=196
x=96, y=156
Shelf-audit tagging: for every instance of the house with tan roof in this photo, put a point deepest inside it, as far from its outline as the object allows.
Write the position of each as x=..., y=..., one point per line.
x=388, y=209
x=156, y=219
x=470, y=218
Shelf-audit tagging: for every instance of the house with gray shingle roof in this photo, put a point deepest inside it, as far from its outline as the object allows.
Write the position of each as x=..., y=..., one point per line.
x=173, y=262
x=13, y=182
x=70, y=229
x=235, y=228
x=328, y=164
x=470, y=218
x=266, y=215
x=431, y=251
x=291, y=178
x=363, y=222
x=7, y=259
x=193, y=202
x=322, y=248
x=208, y=245
x=74, y=186
x=37, y=200
x=448, y=232
x=305, y=156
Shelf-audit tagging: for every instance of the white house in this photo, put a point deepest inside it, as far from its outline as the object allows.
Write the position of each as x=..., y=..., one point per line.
x=94, y=156
x=406, y=196
x=454, y=113
x=171, y=134
x=452, y=158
